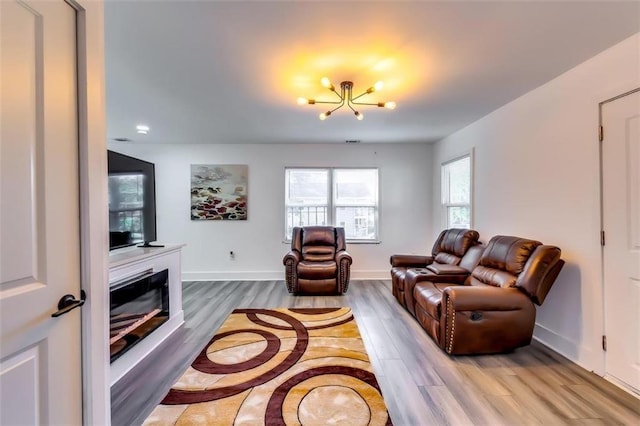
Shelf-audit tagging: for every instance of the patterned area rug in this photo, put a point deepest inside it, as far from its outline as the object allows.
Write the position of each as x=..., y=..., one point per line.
x=278, y=367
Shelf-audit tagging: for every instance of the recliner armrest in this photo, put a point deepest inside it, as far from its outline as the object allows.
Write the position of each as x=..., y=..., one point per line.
x=343, y=255
x=446, y=269
x=293, y=256
x=480, y=320
x=468, y=298
x=343, y=260
x=410, y=260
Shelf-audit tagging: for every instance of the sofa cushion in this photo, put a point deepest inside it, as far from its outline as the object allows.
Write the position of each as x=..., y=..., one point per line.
x=447, y=258
x=428, y=296
x=492, y=276
x=317, y=270
x=318, y=253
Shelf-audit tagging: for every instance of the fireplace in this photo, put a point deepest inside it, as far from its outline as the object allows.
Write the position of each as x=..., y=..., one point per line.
x=139, y=305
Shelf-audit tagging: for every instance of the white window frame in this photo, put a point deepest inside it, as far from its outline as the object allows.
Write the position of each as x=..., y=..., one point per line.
x=444, y=196
x=332, y=205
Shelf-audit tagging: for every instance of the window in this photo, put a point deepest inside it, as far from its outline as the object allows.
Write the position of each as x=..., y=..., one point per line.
x=331, y=196
x=126, y=204
x=456, y=193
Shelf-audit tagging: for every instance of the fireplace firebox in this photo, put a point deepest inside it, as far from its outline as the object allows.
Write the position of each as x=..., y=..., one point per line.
x=139, y=305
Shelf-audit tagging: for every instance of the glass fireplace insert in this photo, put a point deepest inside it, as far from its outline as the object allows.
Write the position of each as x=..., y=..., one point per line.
x=138, y=306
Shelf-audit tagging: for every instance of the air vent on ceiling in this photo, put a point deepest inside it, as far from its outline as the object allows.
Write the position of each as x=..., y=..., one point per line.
x=122, y=139
x=352, y=141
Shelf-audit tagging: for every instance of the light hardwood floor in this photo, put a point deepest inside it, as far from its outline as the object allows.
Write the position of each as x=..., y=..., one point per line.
x=420, y=383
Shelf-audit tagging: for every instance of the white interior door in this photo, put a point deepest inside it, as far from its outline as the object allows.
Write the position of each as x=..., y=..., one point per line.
x=621, y=223
x=40, y=356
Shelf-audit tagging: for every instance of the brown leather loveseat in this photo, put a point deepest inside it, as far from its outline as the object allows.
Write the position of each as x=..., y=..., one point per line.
x=493, y=310
x=318, y=262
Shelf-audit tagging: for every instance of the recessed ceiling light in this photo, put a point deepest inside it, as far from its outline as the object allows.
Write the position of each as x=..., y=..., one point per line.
x=142, y=129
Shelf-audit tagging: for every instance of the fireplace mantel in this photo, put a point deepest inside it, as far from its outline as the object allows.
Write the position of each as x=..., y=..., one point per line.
x=133, y=261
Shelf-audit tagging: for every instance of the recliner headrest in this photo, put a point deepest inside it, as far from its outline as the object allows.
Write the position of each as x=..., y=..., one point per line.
x=507, y=253
x=455, y=241
x=319, y=235
x=540, y=272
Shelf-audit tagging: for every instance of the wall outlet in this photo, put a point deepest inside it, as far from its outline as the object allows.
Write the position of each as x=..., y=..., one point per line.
x=232, y=255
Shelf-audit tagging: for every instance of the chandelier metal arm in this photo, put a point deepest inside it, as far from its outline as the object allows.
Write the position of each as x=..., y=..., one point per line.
x=346, y=97
x=359, y=96
x=341, y=96
x=328, y=102
x=378, y=104
x=339, y=106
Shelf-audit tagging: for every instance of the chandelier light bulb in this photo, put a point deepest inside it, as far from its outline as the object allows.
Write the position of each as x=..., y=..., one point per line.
x=303, y=101
x=324, y=115
x=379, y=85
x=359, y=115
x=390, y=105
x=326, y=83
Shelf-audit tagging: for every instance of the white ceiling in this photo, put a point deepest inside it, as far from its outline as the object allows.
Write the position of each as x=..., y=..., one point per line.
x=230, y=72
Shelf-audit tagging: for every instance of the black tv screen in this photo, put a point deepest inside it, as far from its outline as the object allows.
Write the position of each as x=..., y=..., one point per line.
x=132, y=201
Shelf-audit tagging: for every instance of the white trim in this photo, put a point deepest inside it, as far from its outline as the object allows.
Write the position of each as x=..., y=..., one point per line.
x=555, y=341
x=572, y=350
x=271, y=275
x=603, y=282
x=622, y=385
x=92, y=157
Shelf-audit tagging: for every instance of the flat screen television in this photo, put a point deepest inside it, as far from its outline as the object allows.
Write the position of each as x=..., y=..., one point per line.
x=132, y=201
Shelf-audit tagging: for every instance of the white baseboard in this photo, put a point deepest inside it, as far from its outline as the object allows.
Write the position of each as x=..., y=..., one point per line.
x=555, y=341
x=624, y=386
x=233, y=276
x=270, y=275
x=573, y=351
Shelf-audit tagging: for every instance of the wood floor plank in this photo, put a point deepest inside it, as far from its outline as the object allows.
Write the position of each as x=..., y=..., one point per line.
x=383, y=347
x=511, y=412
x=421, y=384
x=601, y=403
x=542, y=407
x=414, y=410
x=444, y=406
x=400, y=336
x=484, y=382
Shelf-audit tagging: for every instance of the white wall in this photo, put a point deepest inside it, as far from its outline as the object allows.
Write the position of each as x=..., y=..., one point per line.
x=405, y=188
x=537, y=176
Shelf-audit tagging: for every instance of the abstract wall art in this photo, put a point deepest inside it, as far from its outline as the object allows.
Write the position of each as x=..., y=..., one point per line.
x=219, y=192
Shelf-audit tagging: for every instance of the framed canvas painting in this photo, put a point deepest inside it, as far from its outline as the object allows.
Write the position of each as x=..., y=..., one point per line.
x=219, y=192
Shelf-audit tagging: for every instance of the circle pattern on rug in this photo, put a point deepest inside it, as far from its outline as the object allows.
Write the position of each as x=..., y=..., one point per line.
x=337, y=405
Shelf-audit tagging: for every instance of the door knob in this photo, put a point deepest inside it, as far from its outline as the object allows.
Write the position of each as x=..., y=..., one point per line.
x=68, y=303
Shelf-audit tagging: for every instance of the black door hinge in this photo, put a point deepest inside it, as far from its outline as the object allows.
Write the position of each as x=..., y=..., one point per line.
x=604, y=343
x=601, y=133
x=602, y=238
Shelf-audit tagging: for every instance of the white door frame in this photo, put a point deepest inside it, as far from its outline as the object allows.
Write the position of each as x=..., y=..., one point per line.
x=92, y=159
x=602, y=233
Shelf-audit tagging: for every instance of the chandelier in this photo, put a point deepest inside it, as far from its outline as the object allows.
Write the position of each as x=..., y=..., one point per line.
x=347, y=98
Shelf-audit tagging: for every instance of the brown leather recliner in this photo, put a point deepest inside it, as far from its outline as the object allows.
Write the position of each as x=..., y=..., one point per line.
x=494, y=310
x=455, y=253
x=318, y=262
